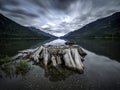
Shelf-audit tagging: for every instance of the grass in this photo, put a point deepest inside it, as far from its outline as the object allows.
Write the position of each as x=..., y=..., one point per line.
x=22, y=67
x=5, y=59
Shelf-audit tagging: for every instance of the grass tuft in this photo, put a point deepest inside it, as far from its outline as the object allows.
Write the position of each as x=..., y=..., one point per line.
x=22, y=67
x=5, y=59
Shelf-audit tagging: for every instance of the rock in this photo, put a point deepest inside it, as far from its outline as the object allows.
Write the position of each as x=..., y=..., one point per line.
x=69, y=43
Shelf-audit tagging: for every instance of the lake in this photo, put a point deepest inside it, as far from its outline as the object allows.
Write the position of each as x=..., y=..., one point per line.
x=102, y=67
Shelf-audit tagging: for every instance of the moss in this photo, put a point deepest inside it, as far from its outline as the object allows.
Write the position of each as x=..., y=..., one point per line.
x=5, y=59
x=22, y=67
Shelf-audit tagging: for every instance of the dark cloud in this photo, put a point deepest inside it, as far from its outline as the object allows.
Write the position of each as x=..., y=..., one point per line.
x=30, y=14
x=16, y=15
x=5, y=2
x=61, y=4
x=57, y=17
x=20, y=13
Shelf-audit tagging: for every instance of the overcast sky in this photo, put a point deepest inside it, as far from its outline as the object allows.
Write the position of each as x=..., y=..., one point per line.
x=57, y=17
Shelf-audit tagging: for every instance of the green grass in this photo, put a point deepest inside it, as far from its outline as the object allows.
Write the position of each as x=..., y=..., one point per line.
x=22, y=67
x=5, y=59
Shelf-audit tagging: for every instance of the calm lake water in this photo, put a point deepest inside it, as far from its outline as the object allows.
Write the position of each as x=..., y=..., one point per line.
x=102, y=68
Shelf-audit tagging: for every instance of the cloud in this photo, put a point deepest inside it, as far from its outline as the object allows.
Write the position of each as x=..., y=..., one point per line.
x=57, y=17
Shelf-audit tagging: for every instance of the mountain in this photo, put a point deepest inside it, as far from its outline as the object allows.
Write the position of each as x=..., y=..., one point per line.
x=41, y=32
x=10, y=29
x=108, y=27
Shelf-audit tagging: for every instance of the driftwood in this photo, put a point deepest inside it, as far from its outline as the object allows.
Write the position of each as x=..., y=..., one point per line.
x=71, y=56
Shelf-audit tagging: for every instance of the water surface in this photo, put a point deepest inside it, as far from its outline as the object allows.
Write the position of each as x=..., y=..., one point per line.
x=101, y=72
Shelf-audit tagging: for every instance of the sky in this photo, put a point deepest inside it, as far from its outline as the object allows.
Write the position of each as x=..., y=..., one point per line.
x=57, y=17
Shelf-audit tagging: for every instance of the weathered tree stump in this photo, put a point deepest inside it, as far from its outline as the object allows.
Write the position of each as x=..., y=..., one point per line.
x=71, y=56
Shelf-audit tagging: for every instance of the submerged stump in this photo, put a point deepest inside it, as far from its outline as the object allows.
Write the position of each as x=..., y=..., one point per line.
x=71, y=56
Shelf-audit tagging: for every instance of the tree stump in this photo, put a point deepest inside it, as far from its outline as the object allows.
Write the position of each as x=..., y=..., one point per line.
x=72, y=56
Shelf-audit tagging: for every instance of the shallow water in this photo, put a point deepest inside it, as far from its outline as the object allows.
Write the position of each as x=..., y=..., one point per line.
x=101, y=73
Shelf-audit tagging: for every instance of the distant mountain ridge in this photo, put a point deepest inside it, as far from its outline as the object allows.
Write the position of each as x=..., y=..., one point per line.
x=10, y=29
x=107, y=27
x=41, y=32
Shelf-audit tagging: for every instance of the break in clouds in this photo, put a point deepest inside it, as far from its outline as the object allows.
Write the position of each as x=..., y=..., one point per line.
x=57, y=17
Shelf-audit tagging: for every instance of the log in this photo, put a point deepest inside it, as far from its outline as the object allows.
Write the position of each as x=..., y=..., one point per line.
x=72, y=56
